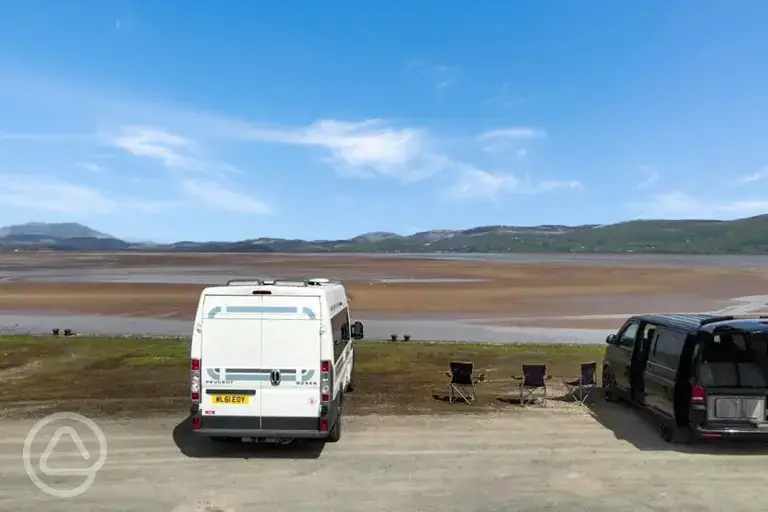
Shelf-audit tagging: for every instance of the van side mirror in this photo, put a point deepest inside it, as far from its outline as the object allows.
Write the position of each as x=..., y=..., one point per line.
x=611, y=339
x=357, y=330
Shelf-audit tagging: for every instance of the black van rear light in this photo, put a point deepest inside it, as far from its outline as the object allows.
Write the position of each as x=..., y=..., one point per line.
x=698, y=394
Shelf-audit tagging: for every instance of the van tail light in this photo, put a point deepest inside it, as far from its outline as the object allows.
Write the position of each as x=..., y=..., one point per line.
x=326, y=381
x=698, y=394
x=194, y=381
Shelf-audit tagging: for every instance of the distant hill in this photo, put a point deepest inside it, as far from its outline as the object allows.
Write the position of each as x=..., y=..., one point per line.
x=53, y=230
x=64, y=236
x=742, y=236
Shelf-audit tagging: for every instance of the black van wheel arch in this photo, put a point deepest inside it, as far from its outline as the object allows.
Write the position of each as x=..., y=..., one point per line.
x=609, y=386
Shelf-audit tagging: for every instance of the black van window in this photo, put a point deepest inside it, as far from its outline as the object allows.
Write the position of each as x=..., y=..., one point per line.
x=627, y=336
x=735, y=360
x=668, y=347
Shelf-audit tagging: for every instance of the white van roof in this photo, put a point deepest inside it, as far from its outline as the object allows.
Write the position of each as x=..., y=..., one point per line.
x=315, y=287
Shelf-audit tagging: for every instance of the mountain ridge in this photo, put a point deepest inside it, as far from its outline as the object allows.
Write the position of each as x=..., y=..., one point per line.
x=702, y=236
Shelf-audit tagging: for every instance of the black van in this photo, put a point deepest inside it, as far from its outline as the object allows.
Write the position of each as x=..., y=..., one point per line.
x=703, y=376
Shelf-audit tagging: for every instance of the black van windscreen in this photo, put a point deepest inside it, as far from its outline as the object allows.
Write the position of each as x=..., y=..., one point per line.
x=735, y=360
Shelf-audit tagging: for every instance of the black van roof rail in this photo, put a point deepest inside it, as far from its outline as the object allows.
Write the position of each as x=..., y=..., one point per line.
x=714, y=319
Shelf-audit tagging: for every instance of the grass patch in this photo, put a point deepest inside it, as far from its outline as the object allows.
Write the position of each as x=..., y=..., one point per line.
x=144, y=376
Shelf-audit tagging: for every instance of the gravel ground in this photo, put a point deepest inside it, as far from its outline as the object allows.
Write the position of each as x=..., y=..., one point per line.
x=560, y=459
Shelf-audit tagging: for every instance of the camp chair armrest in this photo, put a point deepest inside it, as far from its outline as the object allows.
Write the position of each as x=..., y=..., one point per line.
x=517, y=378
x=480, y=378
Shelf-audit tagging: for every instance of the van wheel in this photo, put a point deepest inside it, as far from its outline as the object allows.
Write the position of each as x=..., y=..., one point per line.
x=667, y=435
x=609, y=387
x=335, y=434
x=676, y=435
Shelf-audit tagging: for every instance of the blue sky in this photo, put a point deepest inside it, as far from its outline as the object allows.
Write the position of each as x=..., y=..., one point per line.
x=228, y=120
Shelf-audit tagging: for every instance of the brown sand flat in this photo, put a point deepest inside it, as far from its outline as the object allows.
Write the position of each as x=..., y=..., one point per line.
x=509, y=289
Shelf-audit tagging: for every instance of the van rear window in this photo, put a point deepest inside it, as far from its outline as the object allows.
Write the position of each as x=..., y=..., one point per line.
x=735, y=360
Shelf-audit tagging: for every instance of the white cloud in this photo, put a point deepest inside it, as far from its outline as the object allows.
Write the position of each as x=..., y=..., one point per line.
x=479, y=185
x=89, y=166
x=513, y=133
x=173, y=150
x=363, y=148
x=216, y=195
x=42, y=193
x=651, y=176
x=679, y=205
x=757, y=176
x=499, y=140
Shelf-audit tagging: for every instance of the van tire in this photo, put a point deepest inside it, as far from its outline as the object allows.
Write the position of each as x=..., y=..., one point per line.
x=609, y=387
x=335, y=434
x=673, y=434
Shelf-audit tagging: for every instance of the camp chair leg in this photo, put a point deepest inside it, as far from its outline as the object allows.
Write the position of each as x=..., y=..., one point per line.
x=457, y=393
x=586, y=391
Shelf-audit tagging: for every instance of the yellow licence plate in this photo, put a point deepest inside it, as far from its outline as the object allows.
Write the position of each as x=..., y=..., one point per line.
x=231, y=399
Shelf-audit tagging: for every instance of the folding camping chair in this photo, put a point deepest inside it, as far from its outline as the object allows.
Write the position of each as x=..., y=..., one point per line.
x=534, y=379
x=581, y=387
x=462, y=383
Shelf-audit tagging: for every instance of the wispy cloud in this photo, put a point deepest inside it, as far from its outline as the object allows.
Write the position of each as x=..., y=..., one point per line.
x=182, y=155
x=185, y=143
x=44, y=193
x=89, y=166
x=478, y=185
x=513, y=133
x=679, y=205
x=651, y=176
x=756, y=176
x=214, y=194
x=504, y=139
x=364, y=148
x=172, y=150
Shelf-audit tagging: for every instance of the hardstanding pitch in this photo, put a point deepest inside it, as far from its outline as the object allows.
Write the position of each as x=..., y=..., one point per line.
x=543, y=459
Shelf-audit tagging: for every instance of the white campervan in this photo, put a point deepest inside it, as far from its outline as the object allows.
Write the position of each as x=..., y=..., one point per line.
x=271, y=360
